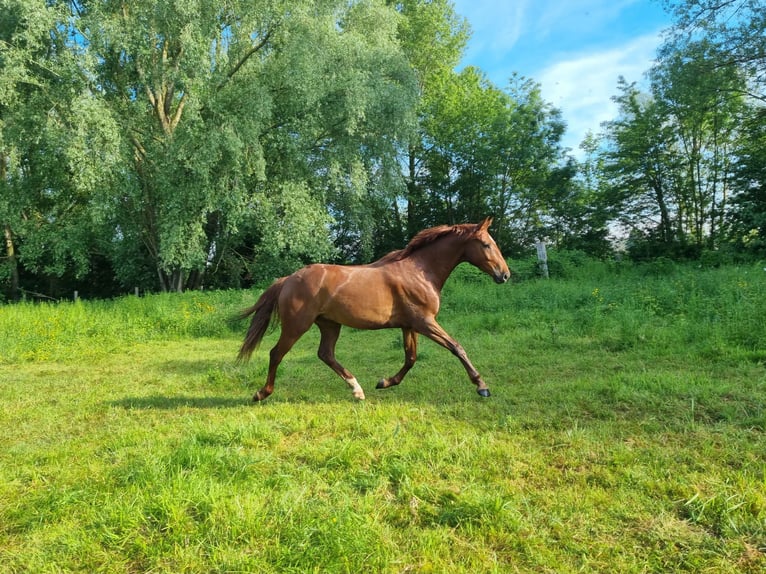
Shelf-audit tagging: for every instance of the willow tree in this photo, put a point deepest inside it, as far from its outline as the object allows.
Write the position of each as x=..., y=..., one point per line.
x=229, y=114
x=55, y=148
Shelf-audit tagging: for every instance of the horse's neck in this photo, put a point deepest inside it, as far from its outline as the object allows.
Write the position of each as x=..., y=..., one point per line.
x=438, y=260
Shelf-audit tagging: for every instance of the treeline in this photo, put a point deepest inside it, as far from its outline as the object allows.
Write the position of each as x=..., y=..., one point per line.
x=180, y=144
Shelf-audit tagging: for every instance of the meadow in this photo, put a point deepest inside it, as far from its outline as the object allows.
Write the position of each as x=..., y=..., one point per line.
x=625, y=432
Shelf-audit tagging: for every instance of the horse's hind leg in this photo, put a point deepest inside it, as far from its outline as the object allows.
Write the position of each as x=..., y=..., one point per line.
x=287, y=339
x=410, y=338
x=330, y=331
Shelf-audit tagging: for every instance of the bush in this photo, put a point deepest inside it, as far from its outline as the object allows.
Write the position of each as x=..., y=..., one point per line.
x=562, y=264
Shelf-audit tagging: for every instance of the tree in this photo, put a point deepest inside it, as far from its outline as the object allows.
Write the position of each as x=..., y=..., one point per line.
x=493, y=151
x=736, y=29
x=201, y=120
x=731, y=36
x=579, y=208
x=433, y=37
x=641, y=165
x=703, y=100
x=54, y=147
x=670, y=157
x=530, y=166
x=456, y=147
x=747, y=218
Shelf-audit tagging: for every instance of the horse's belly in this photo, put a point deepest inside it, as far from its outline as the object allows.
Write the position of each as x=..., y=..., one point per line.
x=363, y=301
x=367, y=311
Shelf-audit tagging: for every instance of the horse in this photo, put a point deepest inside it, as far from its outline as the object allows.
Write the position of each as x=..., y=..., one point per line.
x=400, y=290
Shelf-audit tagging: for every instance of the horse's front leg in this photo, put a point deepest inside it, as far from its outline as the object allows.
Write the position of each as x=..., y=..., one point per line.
x=436, y=333
x=410, y=338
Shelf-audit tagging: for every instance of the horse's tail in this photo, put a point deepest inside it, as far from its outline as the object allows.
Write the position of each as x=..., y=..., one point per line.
x=264, y=313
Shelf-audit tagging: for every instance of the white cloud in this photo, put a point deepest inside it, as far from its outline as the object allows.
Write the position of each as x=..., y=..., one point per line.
x=582, y=87
x=497, y=27
x=575, y=50
x=511, y=28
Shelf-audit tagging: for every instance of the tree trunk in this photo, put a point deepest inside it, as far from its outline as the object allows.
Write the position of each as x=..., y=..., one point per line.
x=412, y=225
x=10, y=252
x=666, y=227
x=195, y=279
x=164, y=281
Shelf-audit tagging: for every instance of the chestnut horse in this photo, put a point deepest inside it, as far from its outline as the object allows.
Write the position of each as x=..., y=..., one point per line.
x=400, y=290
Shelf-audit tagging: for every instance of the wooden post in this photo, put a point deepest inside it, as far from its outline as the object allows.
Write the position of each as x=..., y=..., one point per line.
x=136, y=291
x=542, y=258
x=76, y=295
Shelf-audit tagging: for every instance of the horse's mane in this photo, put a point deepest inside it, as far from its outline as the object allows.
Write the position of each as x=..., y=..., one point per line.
x=424, y=238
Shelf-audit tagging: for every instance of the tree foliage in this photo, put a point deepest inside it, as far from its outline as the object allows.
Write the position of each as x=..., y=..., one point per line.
x=180, y=144
x=672, y=150
x=747, y=219
x=735, y=28
x=231, y=111
x=170, y=145
x=495, y=151
x=184, y=123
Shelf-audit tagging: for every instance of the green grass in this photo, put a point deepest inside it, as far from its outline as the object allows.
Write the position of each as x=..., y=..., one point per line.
x=625, y=433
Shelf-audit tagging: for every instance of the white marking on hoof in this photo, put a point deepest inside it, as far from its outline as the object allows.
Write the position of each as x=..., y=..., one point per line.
x=356, y=389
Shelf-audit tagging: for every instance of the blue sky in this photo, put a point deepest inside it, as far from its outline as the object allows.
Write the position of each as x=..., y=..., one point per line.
x=575, y=49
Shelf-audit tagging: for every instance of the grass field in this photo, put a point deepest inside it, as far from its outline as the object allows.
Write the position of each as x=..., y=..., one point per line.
x=626, y=433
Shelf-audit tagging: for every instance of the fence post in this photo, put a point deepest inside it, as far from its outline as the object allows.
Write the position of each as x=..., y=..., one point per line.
x=542, y=258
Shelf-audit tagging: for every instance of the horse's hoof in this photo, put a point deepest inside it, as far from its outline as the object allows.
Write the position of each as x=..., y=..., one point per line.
x=258, y=397
x=483, y=392
x=382, y=384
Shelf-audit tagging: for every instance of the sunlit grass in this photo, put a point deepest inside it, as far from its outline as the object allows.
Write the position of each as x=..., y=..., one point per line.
x=66, y=331
x=625, y=433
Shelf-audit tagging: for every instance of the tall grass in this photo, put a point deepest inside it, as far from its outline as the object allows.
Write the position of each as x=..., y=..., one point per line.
x=718, y=312
x=625, y=433
x=675, y=310
x=88, y=329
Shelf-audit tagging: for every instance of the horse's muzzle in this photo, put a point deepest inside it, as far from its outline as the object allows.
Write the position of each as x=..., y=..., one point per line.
x=501, y=276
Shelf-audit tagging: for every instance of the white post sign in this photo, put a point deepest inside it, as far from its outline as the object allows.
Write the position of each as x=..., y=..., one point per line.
x=542, y=258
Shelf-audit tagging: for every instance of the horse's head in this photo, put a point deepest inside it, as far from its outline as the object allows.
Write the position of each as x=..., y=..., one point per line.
x=482, y=251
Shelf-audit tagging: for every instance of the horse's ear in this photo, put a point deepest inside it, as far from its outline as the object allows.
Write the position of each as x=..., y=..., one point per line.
x=484, y=225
